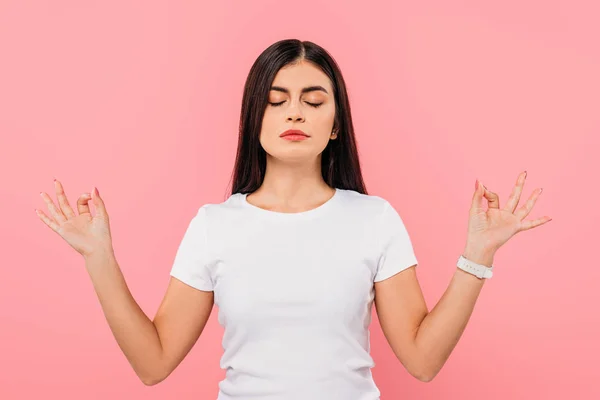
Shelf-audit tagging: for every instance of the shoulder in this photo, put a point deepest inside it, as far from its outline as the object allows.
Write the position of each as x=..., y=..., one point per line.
x=369, y=204
x=221, y=211
x=375, y=210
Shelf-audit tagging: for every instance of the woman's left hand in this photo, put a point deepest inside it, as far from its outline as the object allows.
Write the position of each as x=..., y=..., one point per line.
x=489, y=229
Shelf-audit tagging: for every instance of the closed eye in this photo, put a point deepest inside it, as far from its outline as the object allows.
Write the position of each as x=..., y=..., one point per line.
x=310, y=104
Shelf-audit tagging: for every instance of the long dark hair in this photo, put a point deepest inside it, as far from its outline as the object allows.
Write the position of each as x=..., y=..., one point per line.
x=340, y=165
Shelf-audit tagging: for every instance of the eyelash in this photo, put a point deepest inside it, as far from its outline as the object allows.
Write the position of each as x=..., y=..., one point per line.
x=280, y=103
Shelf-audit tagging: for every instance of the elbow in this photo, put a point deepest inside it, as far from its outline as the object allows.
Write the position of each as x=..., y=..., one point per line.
x=426, y=374
x=148, y=382
x=151, y=373
x=427, y=369
x=423, y=377
x=151, y=380
x=426, y=378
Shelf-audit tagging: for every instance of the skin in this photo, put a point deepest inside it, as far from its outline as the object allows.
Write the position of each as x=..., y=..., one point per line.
x=293, y=180
x=293, y=183
x=154, y=348
x=421, y=339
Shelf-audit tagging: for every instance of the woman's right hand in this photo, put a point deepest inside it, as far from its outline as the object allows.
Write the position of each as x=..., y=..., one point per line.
x=87, y=234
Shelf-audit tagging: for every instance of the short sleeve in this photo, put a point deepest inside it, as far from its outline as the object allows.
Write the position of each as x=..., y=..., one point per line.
x=397, y=252
x=191, y=259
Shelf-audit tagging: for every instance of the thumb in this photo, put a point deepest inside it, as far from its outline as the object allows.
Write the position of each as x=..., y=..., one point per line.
x=99, y=204
x=478, y=198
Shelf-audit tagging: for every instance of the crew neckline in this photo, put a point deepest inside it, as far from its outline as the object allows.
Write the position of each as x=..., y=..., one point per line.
x=301, y=214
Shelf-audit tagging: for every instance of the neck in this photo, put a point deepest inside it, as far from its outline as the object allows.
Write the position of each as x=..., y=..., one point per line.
x=293, y=183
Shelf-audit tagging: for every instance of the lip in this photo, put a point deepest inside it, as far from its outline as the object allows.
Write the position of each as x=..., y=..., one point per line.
x=293, y=132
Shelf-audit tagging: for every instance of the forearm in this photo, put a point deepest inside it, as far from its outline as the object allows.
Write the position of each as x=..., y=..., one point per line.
x=134, y=332
x=443, y=326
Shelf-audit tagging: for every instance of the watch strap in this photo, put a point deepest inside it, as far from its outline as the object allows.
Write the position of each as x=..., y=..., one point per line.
x=480, y=271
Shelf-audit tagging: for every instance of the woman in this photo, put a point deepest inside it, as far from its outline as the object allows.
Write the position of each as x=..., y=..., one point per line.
x=295, y=256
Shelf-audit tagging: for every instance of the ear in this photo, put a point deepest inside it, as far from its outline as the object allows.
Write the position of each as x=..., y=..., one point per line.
x=334, y=131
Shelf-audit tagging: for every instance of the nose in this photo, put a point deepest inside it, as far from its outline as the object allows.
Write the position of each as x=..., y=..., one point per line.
x=294, y=114
x=296, y=118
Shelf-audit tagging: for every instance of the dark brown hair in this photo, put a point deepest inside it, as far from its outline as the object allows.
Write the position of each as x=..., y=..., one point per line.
x=340, y=165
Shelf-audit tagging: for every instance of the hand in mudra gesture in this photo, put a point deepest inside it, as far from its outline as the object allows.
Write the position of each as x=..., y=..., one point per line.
x=85, y=232
x=489, y=229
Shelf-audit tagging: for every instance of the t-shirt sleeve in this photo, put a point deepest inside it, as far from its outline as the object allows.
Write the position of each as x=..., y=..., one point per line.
x=397, y=252
x=191, y=260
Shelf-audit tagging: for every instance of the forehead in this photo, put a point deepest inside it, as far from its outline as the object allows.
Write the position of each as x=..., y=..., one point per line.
x=295, y=77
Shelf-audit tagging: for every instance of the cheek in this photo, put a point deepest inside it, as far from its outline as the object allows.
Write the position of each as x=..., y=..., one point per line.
x=327, y=114
x=324, y=120
x=269, y=124
x=273, y=117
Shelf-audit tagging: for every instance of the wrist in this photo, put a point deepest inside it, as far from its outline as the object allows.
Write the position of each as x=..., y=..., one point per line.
x=480, y=256
x=99, y=254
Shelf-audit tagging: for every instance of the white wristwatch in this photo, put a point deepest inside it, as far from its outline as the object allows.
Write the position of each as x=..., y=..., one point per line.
x=480, y=271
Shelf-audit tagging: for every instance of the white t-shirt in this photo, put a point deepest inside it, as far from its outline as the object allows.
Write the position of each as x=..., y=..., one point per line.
x=294, y=292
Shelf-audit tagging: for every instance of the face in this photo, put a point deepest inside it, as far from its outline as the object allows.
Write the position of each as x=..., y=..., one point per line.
x=311, y=110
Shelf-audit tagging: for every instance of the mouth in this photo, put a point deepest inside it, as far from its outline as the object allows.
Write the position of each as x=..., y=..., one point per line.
x=295, y=138
x=294, y=134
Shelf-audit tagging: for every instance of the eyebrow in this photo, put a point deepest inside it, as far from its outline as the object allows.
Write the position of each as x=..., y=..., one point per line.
x=304, y=90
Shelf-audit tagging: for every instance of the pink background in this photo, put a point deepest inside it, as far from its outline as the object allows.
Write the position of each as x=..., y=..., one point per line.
x=142, y=99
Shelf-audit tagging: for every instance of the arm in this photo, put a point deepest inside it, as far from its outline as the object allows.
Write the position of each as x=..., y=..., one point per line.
x=441, y=329
x=153, y=348
x=423, y=340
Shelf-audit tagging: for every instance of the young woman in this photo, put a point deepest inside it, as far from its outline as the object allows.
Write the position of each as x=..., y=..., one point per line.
x=296, y=256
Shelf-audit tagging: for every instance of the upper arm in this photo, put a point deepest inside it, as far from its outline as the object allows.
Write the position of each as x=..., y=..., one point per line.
x=179, y=321
x=189, y=298
x=401, y=308
x=399, y=301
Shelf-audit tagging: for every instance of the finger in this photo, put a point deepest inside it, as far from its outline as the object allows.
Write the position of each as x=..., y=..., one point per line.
x=477, y=202
x=47, y=220
x=526, y=208
x=515, y=196
x=62, y=200
x=82, y=204
x=99, y=204
x=526, y=225
x=55, y=211
x=492, y=198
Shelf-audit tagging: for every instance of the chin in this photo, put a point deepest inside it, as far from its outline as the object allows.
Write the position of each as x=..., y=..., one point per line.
x=293, y=155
